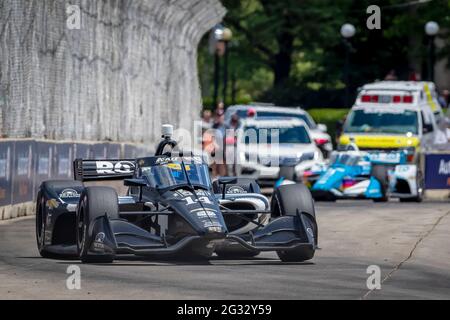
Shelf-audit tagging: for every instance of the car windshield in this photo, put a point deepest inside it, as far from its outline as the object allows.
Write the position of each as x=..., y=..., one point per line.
x=171, y=174
x=253, y=134
x=345, y=159
x=242, y=113
x=274, y=114
x=382, y=122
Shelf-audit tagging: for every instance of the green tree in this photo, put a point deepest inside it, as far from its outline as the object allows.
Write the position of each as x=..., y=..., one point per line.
x=291, y=52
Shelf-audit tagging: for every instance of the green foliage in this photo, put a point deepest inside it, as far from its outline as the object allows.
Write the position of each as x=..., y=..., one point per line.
x=329, y=117
x=302, y=37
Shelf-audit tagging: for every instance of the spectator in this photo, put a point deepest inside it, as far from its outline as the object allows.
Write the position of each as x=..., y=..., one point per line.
x=206, y=120
x=447, y=122
x=444, y=99
x=391, y=76
x=230, y=144
x=220, y=108
x=340, y=128
x=414, y=76
x=219, y=167
x=442, y=135
x=219, y=121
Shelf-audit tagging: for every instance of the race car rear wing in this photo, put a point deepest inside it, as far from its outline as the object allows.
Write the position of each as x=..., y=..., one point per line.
x=91, y=170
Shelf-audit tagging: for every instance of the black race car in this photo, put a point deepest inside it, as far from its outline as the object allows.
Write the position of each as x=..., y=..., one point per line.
x=172, y=208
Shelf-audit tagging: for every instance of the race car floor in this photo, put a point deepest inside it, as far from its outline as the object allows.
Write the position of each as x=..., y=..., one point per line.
x=409, y=242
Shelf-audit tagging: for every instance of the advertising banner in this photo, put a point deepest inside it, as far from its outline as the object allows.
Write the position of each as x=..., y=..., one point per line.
x=43, y=162
x=100, y=151
x=23, y=172
x=25, y=164
x=62, y=161
x=437, y=171
x=114, y=151
x=130, y=151
x=82, y=151
x=6, y=157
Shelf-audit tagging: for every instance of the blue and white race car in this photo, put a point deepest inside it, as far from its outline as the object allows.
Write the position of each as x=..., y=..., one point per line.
x=355, y=174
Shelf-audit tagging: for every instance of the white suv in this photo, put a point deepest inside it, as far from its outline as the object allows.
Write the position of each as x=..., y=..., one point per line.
x=318, y=131
x=272, y=148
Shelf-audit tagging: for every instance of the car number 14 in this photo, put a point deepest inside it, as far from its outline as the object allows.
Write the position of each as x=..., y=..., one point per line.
x=191, y=201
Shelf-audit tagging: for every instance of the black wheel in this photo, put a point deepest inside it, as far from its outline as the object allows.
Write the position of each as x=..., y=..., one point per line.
x=380, y=173
x=94, y=203
x=41, y=215
x=286, y=201
x=51, y=187
x=420, y=183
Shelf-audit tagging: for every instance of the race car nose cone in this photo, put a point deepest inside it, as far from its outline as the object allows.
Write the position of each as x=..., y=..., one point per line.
x=215, y=233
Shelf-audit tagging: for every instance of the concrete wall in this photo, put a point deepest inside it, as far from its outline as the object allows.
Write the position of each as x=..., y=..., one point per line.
x=130, y=67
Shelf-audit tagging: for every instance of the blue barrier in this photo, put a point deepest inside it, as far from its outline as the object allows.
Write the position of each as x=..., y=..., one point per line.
x=6, y=158
x=437, y=171
x=23, y=172
x=24, y=164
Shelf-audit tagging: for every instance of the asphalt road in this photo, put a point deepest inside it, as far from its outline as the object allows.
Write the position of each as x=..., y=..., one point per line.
x=409, y=242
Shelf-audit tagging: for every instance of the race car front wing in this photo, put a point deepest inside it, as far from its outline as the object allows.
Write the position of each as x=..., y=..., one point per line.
x=117, y=236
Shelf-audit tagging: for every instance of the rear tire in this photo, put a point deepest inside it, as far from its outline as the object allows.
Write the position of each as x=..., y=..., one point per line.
x=286, y=201
x=94, y=203
x=381, y=174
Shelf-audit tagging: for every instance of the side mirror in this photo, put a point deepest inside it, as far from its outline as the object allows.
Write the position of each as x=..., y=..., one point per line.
x=322, y=127
x=227, y=180
x=224, y=181
x=134, y=183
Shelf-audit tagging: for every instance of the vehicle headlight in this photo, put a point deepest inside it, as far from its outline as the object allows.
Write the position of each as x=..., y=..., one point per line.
x=410, y=153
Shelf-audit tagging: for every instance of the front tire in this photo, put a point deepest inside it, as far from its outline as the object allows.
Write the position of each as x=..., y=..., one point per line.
x=95, y=202
x=41, y=216
x=287, y=201
x=48, y=190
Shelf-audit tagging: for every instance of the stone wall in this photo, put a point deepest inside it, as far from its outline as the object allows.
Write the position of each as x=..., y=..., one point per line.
x=130, y=67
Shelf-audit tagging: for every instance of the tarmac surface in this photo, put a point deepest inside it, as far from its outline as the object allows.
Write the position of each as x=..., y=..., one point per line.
x=409, y=242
